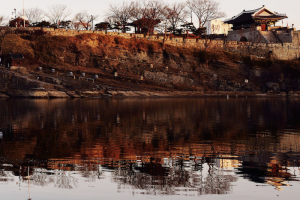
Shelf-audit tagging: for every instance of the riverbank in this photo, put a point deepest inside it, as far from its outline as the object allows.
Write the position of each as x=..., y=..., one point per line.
x=101, y=66
x=19, y=82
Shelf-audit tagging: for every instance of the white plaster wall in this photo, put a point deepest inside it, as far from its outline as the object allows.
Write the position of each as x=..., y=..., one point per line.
x=217, y=26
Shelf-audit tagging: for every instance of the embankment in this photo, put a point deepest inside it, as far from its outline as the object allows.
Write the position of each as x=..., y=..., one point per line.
x=105, y=66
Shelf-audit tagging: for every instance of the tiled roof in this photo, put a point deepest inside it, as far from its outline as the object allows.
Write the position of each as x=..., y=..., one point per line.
x=247, y=15
x=16, y=56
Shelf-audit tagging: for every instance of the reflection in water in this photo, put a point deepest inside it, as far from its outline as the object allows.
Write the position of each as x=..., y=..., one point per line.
x=153, y=146
x=181, y=176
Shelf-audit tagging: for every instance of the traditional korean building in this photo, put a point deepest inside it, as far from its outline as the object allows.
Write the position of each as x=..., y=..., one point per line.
x=144, y=25
x=261, y=17
x=15, y=59
x=258, y=25
x=19, y=22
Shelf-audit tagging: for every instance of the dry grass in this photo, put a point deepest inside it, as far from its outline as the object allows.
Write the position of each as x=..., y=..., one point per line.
x=15, y=44
x=89, y=50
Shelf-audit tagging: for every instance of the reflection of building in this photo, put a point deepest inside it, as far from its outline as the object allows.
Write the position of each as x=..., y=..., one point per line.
x=227, y=162
x=258, y=26
x=268, y=168
x=217, y=26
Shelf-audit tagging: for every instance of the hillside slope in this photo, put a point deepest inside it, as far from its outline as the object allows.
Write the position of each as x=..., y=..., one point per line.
x=143, y=65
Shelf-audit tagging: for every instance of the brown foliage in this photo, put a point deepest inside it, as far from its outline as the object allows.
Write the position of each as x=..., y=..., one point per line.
x=131, y=57
x=15, y=44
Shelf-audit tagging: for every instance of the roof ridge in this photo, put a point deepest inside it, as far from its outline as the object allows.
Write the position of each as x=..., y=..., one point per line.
x=253, y=13
x=244, y=11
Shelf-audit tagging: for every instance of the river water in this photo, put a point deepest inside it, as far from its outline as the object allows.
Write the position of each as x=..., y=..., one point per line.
x=191, y=148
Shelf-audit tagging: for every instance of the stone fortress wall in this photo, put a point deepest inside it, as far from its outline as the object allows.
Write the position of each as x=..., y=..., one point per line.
x=287, y=50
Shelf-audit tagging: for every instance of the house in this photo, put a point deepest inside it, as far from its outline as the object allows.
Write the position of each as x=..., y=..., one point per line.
x=13, y=59
x=144, y=25
x=19, y=22
x=258, y=25
x=217, y=27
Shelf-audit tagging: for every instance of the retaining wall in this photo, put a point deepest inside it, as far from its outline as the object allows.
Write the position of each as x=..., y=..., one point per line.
x=285, y=51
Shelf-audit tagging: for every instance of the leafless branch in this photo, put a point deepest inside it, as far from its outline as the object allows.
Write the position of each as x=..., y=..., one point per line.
x=120, y=13
x=153, y=14
x=33, y=15
x=57, y=13
x=138, y=10
x=205, y=10
x=3, y=20
x=84, y=20
x=175, y=14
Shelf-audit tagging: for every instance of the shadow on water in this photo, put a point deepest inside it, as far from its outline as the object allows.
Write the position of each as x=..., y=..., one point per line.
x=160, y=146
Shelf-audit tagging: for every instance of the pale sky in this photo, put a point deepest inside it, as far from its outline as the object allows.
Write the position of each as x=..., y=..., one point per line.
x=99, y=7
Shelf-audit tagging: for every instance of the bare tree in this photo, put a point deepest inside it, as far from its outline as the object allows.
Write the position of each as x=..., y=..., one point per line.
x=138, y=10
x=33, y=15
x=121, y=14
x=154, y=14
x=205, y=10
x=2, y=20
x=137, y=14
x=175, y=15
x=85, y=20
x=58, y=13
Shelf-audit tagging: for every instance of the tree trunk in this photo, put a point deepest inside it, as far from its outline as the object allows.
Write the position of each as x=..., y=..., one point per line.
x=174, y=32
x=165, y=38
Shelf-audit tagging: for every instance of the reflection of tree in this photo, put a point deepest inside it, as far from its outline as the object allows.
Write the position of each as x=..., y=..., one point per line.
x=185, y=175
x=216, y=183
x=158, y=180
x=42, y=177
x=64, y=181
x=89, y=173
x=6, y=176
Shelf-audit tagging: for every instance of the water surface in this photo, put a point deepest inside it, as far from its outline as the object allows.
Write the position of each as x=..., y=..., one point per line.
x=210, y=148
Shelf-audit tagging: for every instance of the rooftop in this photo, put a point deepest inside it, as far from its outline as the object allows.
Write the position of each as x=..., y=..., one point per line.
x=259, y=13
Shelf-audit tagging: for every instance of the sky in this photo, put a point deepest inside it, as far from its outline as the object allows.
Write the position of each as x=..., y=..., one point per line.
x=99, y=7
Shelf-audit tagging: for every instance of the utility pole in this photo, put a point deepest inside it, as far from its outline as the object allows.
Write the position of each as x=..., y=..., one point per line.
x=24, y=13
x=92, y=22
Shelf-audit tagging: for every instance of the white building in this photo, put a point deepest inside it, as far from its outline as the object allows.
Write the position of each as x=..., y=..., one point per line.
x=217, y=26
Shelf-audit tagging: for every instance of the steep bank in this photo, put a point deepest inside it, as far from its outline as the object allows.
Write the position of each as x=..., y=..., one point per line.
x=143, y=68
